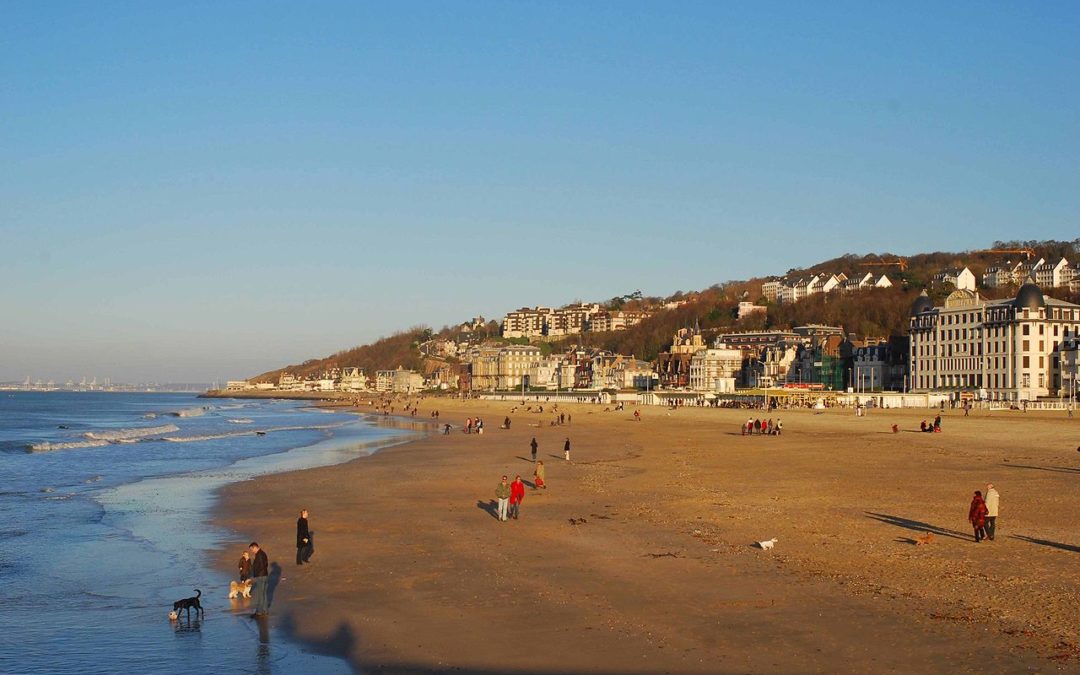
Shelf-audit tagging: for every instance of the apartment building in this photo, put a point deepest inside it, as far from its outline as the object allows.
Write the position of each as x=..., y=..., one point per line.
x=715, y=369
x=958, y=279
x=526, y=322
x=1002, y=349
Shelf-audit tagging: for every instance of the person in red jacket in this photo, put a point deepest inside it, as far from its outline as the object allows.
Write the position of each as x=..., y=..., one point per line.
x=977, y=516
x=517, y=493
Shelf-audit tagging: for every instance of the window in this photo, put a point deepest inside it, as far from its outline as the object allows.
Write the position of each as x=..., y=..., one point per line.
x=1025, y=345
x=1027, y=328
x=1027, y=364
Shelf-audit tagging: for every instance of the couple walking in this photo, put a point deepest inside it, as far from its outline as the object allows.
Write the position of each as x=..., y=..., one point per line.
x=509, y=496
x=982, y=514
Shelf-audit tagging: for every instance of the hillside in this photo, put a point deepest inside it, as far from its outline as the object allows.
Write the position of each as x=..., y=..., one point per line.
x=869, y=313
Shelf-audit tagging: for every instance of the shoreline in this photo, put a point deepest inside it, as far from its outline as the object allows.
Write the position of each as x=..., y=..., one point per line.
x=410, y=569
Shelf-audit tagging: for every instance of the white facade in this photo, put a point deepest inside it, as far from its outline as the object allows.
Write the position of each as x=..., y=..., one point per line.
x=1002, y=348
x=714, y=370
x=513, y=364
x=770, y=290
x=1054, y=275
x=747, y=308
x=959, y=279
x=526, y=323
x=352, y=379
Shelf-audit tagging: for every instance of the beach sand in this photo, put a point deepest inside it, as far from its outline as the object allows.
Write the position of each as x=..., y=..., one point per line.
x=639, y=556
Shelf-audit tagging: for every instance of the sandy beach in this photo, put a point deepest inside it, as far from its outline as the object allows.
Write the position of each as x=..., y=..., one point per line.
x=638, y=558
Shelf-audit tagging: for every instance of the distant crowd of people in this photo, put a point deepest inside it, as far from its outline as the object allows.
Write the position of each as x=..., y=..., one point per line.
x=760, y=427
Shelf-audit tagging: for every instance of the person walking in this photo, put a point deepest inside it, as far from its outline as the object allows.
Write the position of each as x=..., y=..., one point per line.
x=977, y=516
x=539, y=475
x=534, y=445
x=260, y=570
x=517, y=493
x=303, y=538
x=502, y=493
x=566, y=449
x=244, y=566
x=992, y=498
x=779, y=426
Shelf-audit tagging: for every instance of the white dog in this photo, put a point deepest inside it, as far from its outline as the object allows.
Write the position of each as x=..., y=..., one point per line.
x=767, y=545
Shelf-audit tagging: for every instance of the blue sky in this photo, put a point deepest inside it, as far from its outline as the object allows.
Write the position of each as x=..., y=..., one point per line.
x=191, y=191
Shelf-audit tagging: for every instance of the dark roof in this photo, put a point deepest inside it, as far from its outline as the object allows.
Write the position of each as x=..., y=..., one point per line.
x=923, y=303
x=1029, y=296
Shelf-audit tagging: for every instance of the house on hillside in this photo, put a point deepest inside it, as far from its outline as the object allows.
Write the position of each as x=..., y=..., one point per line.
x=957, y=279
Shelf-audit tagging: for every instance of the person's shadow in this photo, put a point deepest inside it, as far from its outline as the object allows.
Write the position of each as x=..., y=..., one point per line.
x=490, y=506
x=272, y=582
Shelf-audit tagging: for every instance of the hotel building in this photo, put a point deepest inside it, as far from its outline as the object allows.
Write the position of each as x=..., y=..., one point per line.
x=1004, y=349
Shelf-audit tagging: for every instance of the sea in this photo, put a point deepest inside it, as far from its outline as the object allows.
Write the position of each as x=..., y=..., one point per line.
x=105, y=504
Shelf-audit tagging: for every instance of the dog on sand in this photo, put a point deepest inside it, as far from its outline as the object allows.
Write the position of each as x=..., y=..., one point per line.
x=189, y=604
x=768, y=544
x=924, y=539
x=240, y=588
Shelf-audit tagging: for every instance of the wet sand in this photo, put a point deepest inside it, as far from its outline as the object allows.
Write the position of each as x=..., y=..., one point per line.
x=638, y=557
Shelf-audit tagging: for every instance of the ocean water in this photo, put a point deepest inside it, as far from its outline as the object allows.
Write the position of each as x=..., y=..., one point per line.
x=104, y=504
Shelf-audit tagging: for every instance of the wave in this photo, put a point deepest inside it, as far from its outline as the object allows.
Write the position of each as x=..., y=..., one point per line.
x=207, y=437
x=131, y=434
x=241, y=421
x=49, y=447
x=251, y=432
x=190, y=412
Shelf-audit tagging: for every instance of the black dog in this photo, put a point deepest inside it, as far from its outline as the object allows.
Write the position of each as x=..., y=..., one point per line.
x=188, y=604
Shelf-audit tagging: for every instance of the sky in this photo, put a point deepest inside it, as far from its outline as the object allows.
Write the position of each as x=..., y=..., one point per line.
x=204, y=191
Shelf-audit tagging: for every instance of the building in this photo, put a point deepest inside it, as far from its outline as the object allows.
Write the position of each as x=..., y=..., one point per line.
x=384, y=381
x=352, y=379
x=604, y=320
x=998, y=276
x=880, y=367
x=714, y=370
x=770, y=290
x=406, y=381
x=1002, y=349
x=769, y=365
x=1067, y=364
x=673, y=366
x=755, y=340
x=746, y=309
x=1054, y=275
x=571, y=320
x=513, y=364
x=526, y=323
x=958, y=279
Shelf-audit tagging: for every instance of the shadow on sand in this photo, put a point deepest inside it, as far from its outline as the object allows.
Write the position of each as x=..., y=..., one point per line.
x=345, y=643
x=1046, y=542
x=1057, y=469
x=917, y=526
x=491, y=506
x=272, y=582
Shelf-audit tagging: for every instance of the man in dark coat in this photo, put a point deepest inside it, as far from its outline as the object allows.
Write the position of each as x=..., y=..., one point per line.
x=260, y=572
x=303, y=539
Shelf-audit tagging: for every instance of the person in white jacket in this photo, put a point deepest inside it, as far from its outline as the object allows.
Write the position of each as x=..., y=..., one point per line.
x=992, y=498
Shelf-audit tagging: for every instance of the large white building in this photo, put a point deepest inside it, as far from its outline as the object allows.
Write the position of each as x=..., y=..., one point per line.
x=714, y=370
x=1000, y=349
x=1046, y=274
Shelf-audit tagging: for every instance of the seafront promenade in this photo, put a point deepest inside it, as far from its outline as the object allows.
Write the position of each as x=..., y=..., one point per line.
x=639, y=556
